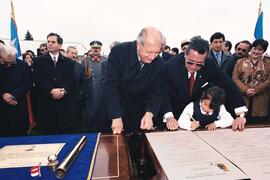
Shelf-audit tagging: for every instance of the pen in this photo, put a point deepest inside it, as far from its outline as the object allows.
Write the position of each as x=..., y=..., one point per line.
x=191, y=117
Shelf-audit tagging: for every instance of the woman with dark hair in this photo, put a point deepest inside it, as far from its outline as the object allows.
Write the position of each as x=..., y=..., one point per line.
x=252, y=76
x=28, y=58
x=227, y=47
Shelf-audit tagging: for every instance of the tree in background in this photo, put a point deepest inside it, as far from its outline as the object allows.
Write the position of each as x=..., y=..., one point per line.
x=28, y=36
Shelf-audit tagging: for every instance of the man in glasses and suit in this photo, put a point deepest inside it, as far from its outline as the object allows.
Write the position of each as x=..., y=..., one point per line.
x=43, y=49
x=242, y=49
x=187, y=77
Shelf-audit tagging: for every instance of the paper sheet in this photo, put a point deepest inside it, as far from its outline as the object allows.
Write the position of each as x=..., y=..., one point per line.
x=183, y=155
x=27, y=155
x=250, y=149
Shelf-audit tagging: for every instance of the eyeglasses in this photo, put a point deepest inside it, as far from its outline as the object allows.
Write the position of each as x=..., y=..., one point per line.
x=190, y=62
x=7, y=64
x=243, y=50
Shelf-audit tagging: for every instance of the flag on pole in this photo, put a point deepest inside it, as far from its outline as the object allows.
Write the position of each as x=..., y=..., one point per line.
x=35, y=170
x=258, y=33
x=14, y=39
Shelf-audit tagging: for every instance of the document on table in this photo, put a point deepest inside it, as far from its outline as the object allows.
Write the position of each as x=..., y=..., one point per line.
x=12, y=156
x=249, y=150
x=184, y=155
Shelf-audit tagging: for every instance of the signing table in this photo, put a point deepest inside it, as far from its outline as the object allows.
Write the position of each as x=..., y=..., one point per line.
x=110, y=155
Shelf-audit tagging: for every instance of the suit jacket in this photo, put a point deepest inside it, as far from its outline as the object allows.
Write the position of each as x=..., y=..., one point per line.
x=17, y=81
x=55, y=116
x=178, y=85
x=130, y=91
x=227, y=62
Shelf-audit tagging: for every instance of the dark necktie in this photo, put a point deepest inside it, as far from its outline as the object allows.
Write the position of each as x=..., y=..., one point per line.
x=191, y=84
x=140, y=65
x=54, y=60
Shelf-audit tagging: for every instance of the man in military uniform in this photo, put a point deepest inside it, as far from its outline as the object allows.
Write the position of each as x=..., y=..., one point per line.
x=95, y=67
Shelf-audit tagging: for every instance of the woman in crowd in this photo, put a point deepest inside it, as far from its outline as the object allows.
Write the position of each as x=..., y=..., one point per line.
x=28, y=58
x=252, y=76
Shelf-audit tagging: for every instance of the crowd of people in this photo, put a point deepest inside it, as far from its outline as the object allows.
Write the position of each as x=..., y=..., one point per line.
x=141, y=85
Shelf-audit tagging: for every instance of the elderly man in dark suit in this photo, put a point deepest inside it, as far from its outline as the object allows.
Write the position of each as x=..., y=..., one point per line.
x=188, y=75
x=15, y=82
x=55, y=80
x=134, y=81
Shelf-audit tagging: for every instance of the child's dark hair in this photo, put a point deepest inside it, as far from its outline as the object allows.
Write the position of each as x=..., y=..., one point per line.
x=216, y=95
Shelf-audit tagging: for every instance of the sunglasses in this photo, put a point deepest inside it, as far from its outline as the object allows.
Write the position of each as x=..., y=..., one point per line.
x=243, y=50
x=190, y=62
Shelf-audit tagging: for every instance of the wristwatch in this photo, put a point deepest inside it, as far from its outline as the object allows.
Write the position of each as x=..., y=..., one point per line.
x=242, y=115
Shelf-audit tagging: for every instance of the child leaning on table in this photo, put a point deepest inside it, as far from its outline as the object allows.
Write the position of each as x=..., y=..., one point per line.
x=208, y=112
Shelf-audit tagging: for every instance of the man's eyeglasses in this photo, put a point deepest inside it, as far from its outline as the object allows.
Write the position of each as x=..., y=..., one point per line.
x=190, y=62
x=242, y=50
x=8, y=64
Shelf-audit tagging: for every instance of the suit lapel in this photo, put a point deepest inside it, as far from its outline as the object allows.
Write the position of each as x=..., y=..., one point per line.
x=59, y=60
x=198, y=82
x=214, y=58
x=133, y=69
x=223, y=59
x=182, y=76
x=133, y=56
x=134, y=64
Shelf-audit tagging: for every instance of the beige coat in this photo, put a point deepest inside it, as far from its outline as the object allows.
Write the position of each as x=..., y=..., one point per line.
x=261, y=99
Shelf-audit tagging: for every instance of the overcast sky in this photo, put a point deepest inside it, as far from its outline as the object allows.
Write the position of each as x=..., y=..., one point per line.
x=110, y=20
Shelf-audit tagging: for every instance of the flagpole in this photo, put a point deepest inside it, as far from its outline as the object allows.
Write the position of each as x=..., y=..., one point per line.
x=258, y=32
x=260, y=8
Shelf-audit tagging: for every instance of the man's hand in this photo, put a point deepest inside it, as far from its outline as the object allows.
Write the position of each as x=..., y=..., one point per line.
x=211, y=126
x=7, y=97
x=172, y=123
x=147, y=121
x=250, y=92
x=57, y=93
x=195, y=125
x=117, y=126
x=239, y=124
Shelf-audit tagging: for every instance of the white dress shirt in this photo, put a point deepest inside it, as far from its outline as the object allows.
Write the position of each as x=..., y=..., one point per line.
x=54, y=55
x=224, y=118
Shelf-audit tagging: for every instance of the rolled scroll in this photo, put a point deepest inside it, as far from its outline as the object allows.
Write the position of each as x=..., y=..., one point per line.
x=62, y=169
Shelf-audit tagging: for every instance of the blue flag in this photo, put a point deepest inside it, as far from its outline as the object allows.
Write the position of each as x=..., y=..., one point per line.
x=14, y=39
x=258, y=33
